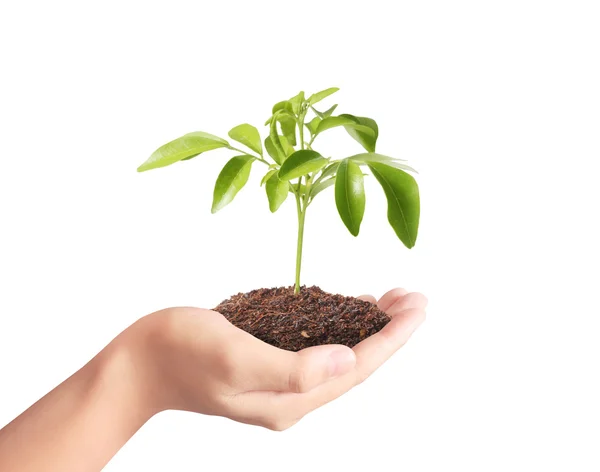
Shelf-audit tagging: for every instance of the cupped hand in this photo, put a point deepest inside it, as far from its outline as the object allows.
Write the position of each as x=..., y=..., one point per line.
x=196, y=360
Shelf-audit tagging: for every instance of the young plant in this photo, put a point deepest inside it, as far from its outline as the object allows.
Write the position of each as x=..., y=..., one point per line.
x=295, y=167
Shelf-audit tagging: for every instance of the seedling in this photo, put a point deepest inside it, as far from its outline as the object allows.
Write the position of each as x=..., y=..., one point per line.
x=295, y=167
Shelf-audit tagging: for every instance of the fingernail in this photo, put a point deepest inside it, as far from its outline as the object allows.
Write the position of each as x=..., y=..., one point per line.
x=341, y=361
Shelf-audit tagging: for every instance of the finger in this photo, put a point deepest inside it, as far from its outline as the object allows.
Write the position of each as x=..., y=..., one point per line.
x=368, y=298
x=272, y=410
x=267, y=368
x=390, y=298
x=257, y=408
x=375, y=350
x=410, y=300
x=279, y=410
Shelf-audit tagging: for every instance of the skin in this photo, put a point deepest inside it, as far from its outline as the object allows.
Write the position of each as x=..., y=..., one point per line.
x=195, y=360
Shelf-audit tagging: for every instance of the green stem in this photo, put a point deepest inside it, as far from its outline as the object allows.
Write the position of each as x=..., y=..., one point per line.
x=301, y=205
x=301, y=216
x=309, y=182
x=261, y=159
x=301, y=130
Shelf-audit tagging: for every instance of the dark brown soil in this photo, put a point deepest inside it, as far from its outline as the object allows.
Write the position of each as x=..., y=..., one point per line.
x=294, y=322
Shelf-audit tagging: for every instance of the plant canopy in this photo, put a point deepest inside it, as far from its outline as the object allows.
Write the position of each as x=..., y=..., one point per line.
x=295, y=168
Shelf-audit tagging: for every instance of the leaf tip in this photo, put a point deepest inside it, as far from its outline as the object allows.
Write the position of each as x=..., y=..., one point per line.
x=215, y=207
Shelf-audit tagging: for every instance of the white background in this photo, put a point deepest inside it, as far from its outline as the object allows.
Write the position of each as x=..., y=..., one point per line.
x=497, y=104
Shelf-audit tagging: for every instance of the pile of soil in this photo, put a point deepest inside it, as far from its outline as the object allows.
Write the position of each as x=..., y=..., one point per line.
x=311, y=318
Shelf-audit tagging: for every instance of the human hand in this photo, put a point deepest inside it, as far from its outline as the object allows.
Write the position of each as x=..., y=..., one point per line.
x=195, y=360
x=191, y=359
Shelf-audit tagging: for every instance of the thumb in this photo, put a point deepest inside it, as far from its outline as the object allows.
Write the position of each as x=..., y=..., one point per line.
x=319, y=364
x=304, y=370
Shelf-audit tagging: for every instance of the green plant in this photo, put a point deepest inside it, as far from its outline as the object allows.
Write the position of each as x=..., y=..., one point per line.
x=296, y=168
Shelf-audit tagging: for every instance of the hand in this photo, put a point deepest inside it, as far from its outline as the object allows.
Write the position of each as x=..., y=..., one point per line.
x=196, y=360
x=191, y=359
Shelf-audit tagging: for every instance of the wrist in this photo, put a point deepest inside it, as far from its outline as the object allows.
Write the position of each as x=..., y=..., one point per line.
x=144, y=349
x=125, y=368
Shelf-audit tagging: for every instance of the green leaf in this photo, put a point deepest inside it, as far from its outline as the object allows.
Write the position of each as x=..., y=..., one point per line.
x=334, y=121
x=350, y=195
x=231, y=179
x=248, y=136
x=374, y=157
x=273, y=151
x=317, y=97
x=185, y=147
x=285, y=105
x=368, y=157
x=267, y=176
x=276, y=143
x=282, y=113
x=400, y=165
x=322, y=185
x=297, y=102
x=288, y=127
x=277, y=192
x=301, y=163
x=402, y=193
x=329, y=170
x=286, y=149
x=313, y=124
x=368, y=140
x=325, y=114
x=294, y=188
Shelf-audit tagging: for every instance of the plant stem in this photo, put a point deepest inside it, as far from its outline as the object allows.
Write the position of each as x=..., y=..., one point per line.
x=301, y=209
x=301, y=217
x=301, y=129
x=261, y=159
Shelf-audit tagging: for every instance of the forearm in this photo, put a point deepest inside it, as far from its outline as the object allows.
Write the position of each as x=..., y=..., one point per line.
x=84, y=421
x=195, y=360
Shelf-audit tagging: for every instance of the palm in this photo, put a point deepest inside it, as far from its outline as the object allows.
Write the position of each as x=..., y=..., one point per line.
x=407, y=311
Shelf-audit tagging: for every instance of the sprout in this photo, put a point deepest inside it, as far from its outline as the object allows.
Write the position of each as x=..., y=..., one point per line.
x=295, y=167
